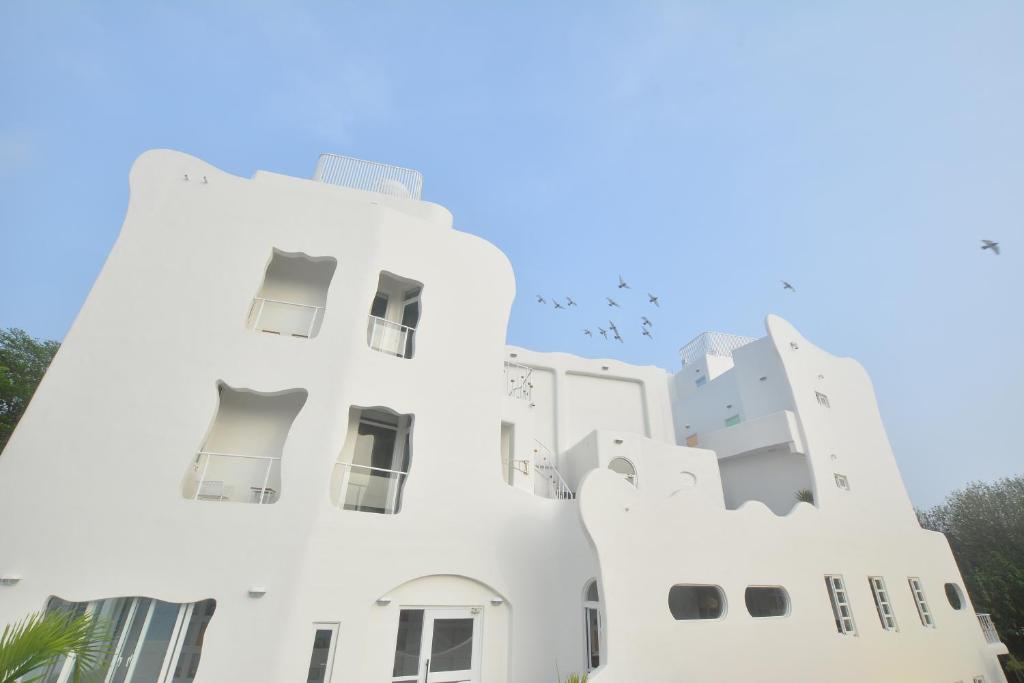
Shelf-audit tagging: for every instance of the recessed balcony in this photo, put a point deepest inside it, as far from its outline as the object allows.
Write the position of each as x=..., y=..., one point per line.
x=372, y=468
x=293, y=297
x=394, y=315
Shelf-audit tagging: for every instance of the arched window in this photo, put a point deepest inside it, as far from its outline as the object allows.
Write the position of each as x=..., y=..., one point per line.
x=696, y=602
x=625, y=468
x=592, y=625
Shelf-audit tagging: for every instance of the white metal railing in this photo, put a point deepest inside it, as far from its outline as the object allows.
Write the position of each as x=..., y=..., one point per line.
x=712, y=344
x=519, y=381
x=544, y=462
x=390, y=337
x=372, y=489
x=988, y=628
x=237, y=478
x=372, y=176
x=286, y=317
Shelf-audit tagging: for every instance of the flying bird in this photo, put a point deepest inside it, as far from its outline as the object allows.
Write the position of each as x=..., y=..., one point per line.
x=654, y=299
x=612, y=302
x=557, y=305
x=541, y=300
x=989, y=244
x=604, y=332
x=786, y=285
x=611, y=326
x=622, y=284
x=617, y=337
x=588, y=333
x=647, y=323
x=569, y=301
x=647, y=332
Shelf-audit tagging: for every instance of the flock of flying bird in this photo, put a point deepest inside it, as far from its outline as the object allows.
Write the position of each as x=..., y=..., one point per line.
x=646, y=324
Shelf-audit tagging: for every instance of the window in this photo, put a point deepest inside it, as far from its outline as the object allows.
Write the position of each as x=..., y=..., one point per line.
x=625, y=468
x=701, y=381
x=394, y=315
x=373, y=465
x=730, y=421
x=691, y=441
x=767, y=601
x=842, y=482
x=840, y=605
x=293, y=297
x=687, y=601
x=321, y=661
x=979, y=679
x=922, y=603
x=443, y=640
x=153, y=640
x=240, y=460
x=882, y=603
x=593, y=627
x=822, y=399
x=955, y=596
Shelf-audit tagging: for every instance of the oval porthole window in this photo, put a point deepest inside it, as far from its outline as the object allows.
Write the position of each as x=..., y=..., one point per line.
x=767, y=601
x=955, y=596
x=696, y=602
x=625, y=468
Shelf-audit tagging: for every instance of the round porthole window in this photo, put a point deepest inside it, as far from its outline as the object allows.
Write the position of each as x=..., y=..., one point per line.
x=955, y=596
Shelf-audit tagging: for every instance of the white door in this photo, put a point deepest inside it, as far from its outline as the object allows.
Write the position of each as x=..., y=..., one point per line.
x=446, y=648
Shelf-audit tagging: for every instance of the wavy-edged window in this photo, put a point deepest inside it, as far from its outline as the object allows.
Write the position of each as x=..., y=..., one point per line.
x=371, y=470
x=394, y=316
x=293, y=297
x=240, y=460
x=152, y=641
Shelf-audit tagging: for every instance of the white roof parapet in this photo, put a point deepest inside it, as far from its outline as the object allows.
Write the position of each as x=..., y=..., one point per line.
x=712, y=344
x=372, y=176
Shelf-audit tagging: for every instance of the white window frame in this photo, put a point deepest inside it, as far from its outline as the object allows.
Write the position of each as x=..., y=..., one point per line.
x=334, y=627
x=917, y=590
x=592, y=607
x=839, y=597
x=883, y=604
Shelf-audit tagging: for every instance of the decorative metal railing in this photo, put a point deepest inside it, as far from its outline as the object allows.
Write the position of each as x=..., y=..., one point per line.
x=284, y=317
x=519, y=381
x=988, y=628
x=389, y=337
x=712, y=344
x=372, y=176
x=235, y=477
x=544, y=462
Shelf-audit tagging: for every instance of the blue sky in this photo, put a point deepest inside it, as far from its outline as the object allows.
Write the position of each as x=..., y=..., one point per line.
x=705, y=150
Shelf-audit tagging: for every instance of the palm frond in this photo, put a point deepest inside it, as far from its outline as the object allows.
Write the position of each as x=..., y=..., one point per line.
x=40, y=639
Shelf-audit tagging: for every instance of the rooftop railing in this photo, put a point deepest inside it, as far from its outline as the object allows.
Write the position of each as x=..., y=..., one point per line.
x=712, y=344
x=988, y=628
x=371, y=176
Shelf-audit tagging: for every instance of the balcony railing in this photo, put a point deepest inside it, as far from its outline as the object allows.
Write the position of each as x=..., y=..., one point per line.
x=372, y=176
x=989, y=629
x=368, y=489
x=519, y=381
x=284, y=317
x=236, y=478
x=389, y=337
x=712, y=344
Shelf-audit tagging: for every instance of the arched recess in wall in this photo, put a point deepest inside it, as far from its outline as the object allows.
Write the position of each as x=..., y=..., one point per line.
x=455, y=625
x=626, y=468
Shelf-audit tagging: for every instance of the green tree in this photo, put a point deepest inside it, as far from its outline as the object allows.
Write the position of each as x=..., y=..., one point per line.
x=985, y=527
x=40, y=639
x=23, y=361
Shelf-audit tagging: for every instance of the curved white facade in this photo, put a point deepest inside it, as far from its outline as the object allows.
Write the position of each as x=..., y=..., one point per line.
x=274, y=398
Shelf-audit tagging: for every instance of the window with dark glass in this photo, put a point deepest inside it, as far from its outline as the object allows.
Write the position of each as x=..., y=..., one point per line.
x=696, y=602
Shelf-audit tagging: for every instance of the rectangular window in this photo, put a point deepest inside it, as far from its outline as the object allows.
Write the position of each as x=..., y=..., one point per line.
x=822, y=399
x=701, y=381
x=731, y=421
x=321, y=662
x=881, y=593
x=840, y=604
x=842, y=482
x=922, y=603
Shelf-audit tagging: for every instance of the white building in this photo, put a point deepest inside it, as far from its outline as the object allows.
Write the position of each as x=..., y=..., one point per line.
x=284, y=440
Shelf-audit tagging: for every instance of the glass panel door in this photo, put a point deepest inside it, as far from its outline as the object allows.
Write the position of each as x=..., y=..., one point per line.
x=321, y=661
x=439, y=645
